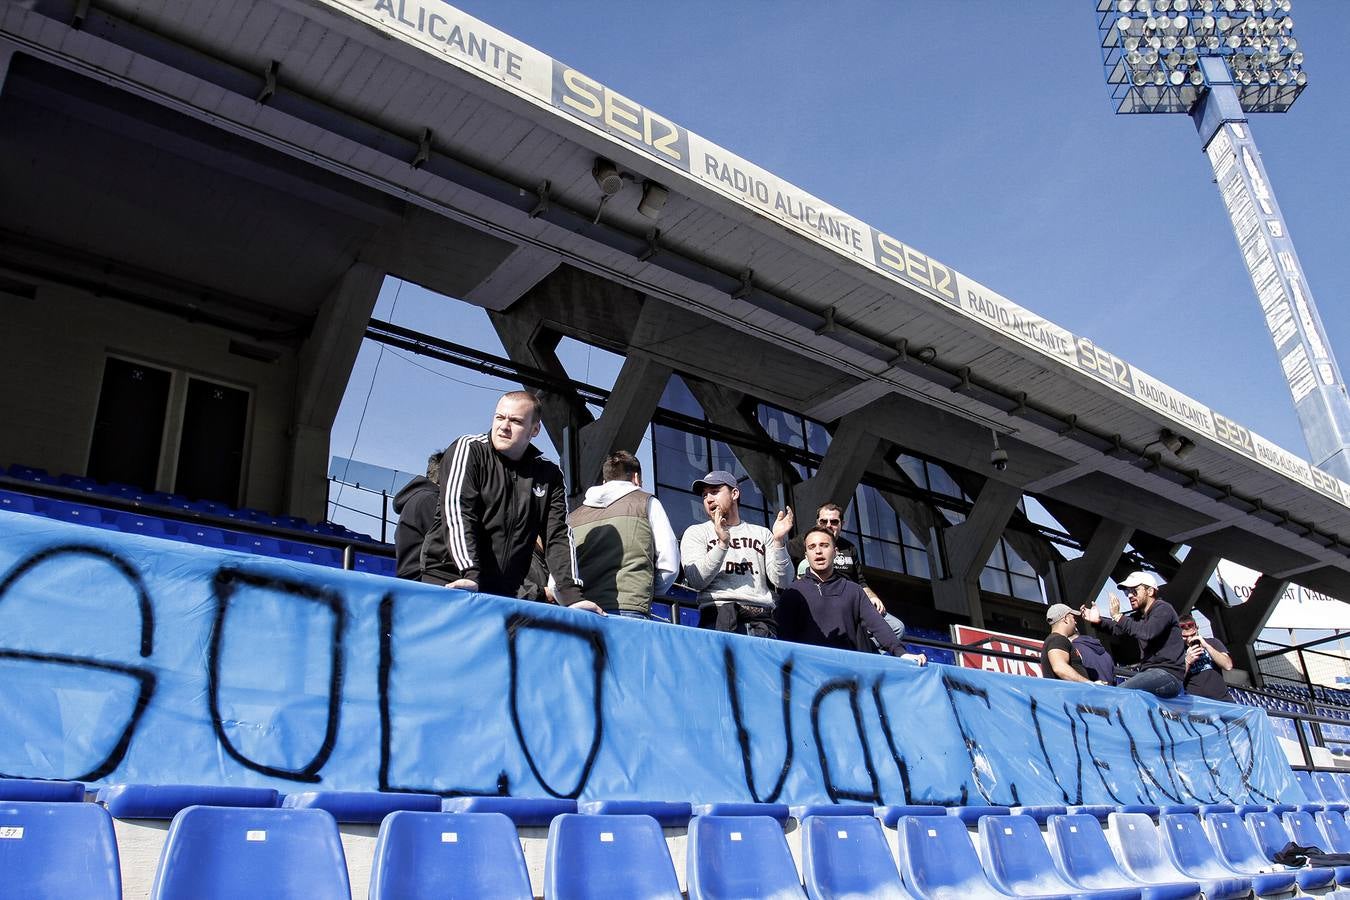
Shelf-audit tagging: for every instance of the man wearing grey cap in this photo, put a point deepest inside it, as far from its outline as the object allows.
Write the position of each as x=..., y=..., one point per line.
x=1059, y=657
x=734, y=565
x=1154, y=625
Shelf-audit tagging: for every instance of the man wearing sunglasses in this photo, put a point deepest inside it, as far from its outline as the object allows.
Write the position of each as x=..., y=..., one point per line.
x=1153, y=624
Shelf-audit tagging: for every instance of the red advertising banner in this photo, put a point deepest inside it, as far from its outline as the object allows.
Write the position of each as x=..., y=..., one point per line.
x=1030, y=648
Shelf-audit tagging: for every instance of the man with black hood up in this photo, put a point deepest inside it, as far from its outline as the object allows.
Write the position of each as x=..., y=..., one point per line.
x=415, y=506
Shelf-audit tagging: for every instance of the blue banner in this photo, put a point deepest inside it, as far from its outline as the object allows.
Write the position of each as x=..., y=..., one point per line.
x=132, y=659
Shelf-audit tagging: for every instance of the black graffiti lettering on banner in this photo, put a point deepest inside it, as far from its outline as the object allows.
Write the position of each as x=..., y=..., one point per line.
x=144, y=677
x=225, y=583
x=835, y=793
x=1166, y=744
x=1191, y=723
x=519, y=623
x=743, y=733
x=1245, y=768
x=1182, y=783
x=1100, y=764
x=1077, y=797
x=383, y=672
x=979, y=762
x=900, y=764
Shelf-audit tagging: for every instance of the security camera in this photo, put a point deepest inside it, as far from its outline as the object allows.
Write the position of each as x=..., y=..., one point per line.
x=998, y=458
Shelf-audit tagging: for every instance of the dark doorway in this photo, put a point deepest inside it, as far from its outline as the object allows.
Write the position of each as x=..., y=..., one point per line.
x=211, y=452
x=129, y=426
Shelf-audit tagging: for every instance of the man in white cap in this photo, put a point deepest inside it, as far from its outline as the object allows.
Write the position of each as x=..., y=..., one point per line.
x=1154, y=625
x=1059, y=657
x=734, y=565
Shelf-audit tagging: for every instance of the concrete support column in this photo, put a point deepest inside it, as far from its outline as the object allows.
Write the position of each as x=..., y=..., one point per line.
x=723, y=406
x=6, y=55
x=324, y=368
x=1082, y=578
x=969, y=546
x=1245, y=622
x=1190, y=580
x=632, y=402
x=851, y=449
x=528, y=342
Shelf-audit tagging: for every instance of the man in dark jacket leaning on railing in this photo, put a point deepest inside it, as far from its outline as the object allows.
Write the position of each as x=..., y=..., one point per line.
x=825, y=608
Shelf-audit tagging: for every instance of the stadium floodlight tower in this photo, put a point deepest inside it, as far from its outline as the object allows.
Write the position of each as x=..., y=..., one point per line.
x=1216, y=61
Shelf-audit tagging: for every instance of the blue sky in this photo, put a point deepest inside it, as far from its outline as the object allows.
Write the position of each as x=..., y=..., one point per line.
x=979, y=132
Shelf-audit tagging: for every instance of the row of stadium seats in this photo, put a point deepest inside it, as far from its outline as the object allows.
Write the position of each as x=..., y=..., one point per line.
x=141, y=522
x=55, y=849
x=132, y=494
x=1332, y=733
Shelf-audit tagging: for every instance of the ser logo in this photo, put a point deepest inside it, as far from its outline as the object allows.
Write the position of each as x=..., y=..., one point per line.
x=582, y=96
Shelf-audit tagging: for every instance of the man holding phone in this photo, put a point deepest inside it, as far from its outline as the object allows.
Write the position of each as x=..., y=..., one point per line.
x=1206, y=661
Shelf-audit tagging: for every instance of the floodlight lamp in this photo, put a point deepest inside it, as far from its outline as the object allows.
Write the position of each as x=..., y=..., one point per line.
x=1170, y=42
x=1151, y=58
x=1296, y=58
x=1155, y=42
x=1173, y=60
x=1207, y=23
x=606, y=176
x=1197, y=78
x=1286, y=5
x=1162, y=5
x=1150, y=24
x=1230, y=5
x=1234, y=41
x=1180, y=5
x=1212, y=42
x=1263, y=77
x=1190, y=57
x=1301, y=79
x=1125, y=6
x=1139, y=77
x=1134, y=58
x=1207, y=6
x=1180, y=22
x=1282, y=77
x=1189, y=42
x=1160, y=78
x=654, y=197
x=1178, y=77
x=1131, y=44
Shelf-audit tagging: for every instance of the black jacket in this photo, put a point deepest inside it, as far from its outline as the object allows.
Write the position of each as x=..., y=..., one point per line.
x=490, y=512
x=832, y=613
x=1159, y=635
x=416, y=509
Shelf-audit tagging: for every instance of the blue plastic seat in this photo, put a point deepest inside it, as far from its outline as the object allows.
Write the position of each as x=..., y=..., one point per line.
x=426, y=855
x=259, y=544
x=204, y=535
x=135, y=523
x=1312, y=788
x=55, y=851
x=21, y=503
x=221, y=853
x=591, y=857
x=31, y=473
x=1082, y=855
x=1238, y=849
x=1142, y=855
x=1303, y=829
x=730, y=857
x=776, y=811
x=76, y=512
x=1018, y=863
x=670, y=813
x=1330, y=787
x=972, y=814
x=362, y=807
x=1098, y=811
x=1194, y=854
x=805, y=811
x=847, y=856
x=523, y=811
x=164, y=801
x=1174, y=809
x=1040, y=814
x=890, y=816
x=36, y=790
x=937, y=859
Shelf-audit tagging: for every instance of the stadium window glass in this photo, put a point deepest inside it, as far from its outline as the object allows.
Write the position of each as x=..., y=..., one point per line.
x=678, y=398
x=916, y=562
x=817, y=438
x=682, y=508
x=781, y=426
x=915, y=469
x=679, y=458
x=995, y=581
x=941, y=483
x=1025, y=588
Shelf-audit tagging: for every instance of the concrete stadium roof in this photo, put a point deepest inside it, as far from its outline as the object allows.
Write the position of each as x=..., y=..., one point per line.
x=235, y=156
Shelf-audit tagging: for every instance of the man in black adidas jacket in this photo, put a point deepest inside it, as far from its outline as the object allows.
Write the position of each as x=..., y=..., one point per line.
x=497, y=495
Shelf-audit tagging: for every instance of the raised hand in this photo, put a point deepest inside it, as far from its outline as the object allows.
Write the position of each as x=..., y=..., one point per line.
x=782, y=526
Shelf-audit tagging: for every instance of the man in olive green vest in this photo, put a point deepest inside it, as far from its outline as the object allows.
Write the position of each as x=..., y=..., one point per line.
x=626, y=549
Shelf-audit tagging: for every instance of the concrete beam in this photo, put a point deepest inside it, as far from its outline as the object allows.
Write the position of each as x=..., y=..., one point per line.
x=969, y=546
x=724, y=406
x=6, y=54
x=1190, y=580
x=1245, y=622
x=528, y=342
x=852, y=447
x=632, y=402
x=517, y=275
x=324, y=369
x=1082, y=578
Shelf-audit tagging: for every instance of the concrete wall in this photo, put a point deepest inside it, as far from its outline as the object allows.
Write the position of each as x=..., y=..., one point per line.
x=52, y=352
